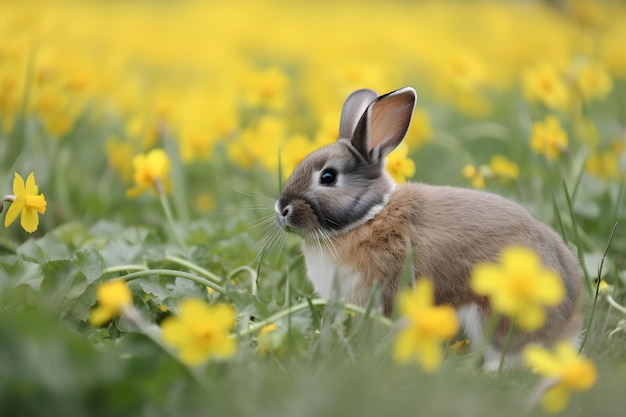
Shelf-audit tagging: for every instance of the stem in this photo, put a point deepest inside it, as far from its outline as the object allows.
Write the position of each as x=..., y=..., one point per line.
x=578, y=242
x=249, y=270
x=121, y=268
x=169, y=217
x=505, y=347
x=301, y=306
x=595, y=298
x=9, y=198
x=172, y=273
x=194, y=267
x=615, y=304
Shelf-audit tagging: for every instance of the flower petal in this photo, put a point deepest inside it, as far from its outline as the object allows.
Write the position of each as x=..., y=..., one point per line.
x=29, y=220
x=486, y=278
x=31, y=187
x=404, y=346
x=555, y=399
x=18, y=185
x=544, y=362
x=429, y=355
x=14, y=210
x=175, y=333
x=99, y=316
x=530, y=317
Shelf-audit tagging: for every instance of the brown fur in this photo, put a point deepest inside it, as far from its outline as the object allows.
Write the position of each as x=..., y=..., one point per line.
x=450, y=230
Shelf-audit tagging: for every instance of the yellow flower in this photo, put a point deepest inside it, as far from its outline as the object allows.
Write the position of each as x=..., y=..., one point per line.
x=26, y=201
x=296, y=148
x=205, y=202
x=502, y=167
x=519, y=286
x=569, y=371
x=426, y=327
x=113, y=296
x=548, y=138
x=120, y=155
x=606, y=164
x=545, y=85
x=269, y=340
x=151, y=171
x=201, y=331
x=420, y=131
x=399, y=165
x=474, y=175
x=594, y=82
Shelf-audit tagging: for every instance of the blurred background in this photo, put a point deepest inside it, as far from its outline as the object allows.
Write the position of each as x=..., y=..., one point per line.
x=86, y=85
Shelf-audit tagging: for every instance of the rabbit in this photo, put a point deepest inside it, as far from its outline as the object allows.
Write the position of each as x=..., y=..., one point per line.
x=358, y=227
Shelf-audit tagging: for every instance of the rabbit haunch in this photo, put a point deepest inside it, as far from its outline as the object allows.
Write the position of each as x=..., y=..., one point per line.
x=359, y=227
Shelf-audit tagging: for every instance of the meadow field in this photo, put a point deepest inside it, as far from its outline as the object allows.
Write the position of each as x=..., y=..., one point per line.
x=143, y=144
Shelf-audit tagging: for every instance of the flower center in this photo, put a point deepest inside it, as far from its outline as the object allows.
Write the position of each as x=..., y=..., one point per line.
x=36, y=202
x=204, y=335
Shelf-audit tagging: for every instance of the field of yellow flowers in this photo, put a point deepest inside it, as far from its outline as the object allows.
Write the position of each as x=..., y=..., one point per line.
x=142, y=146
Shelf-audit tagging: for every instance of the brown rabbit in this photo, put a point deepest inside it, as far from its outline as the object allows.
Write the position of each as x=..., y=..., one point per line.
x=359, y=227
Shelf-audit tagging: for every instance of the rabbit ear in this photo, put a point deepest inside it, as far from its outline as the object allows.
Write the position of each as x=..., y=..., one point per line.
x=384, y=124
x=353, y=109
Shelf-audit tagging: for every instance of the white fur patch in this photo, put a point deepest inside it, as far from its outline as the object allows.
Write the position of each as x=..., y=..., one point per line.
x=472, y=323
x=320, y=268
x=323, y=271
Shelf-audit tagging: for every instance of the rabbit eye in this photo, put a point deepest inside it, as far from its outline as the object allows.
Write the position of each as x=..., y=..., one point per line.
x=328, y=177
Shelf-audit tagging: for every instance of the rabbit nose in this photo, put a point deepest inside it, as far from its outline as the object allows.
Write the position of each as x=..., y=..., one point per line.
x=283, y=212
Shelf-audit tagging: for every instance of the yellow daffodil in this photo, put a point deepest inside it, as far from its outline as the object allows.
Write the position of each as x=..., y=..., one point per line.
x=295, y=149
x=151, y=172
x=548, y=138
x=545, y=85
x=420, y=131
x=565, y=369
x=501, y=167
x=427, y=326
x=201, y=331
x=594, y=81
x=519, y=286
x=26, y=201
x=399, y=165
x=475, y=175
x=113, y=296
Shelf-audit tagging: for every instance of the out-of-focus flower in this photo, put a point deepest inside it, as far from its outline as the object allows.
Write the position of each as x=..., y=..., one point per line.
x=259, y=143
x=548, y=138
x=519, y=286
x=201, y=331
x=295, y=149
x=565, y=370
x=594, y=82
x=113, y=297
x=502, y=167
x=270, y=339
x=120, y=156
x=426, y=327
x=475, y=175
x=420, y=130
x=267, y=89
x=205, y=202
x=399, y=165
x=26, y=201
x=151, y=172
x=545, y=85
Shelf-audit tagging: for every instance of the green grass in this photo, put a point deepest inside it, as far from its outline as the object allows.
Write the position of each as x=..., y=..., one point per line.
x=328, y=362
